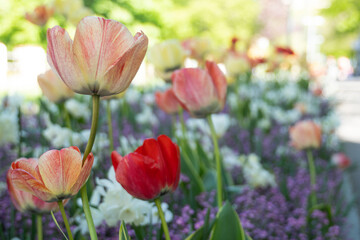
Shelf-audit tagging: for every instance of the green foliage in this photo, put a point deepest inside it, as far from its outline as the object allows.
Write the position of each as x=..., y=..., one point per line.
x=344, y=18
x=159, y=19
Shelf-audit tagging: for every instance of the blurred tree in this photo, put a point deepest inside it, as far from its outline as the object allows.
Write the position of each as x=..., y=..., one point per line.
x=344, y=19
x=159, y=19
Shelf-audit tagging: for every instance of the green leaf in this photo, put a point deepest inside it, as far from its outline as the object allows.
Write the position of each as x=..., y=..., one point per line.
x=123, y=233
x=57, y=224
x=227, y=225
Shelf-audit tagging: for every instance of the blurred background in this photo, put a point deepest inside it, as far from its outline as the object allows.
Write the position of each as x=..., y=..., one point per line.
x=324, y=35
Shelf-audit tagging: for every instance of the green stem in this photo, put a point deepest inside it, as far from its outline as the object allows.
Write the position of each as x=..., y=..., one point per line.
x=83, y=191
x=312, y=171
x=182, y=123
x=39, y=227
x=63, y=214
x=162, y=217
x=109, y=120
x=20, y=130
x=217, y=160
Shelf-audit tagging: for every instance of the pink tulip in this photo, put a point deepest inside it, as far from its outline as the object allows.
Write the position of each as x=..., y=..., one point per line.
x=305, y=134
x=200, y=92
x=53, y=87
x=57, y=175
x=26, y=202
x=102, y=60
x=167, y=101
x=341, y=160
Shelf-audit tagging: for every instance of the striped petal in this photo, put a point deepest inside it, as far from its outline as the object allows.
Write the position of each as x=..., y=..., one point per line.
x=98, y=44
x=218, y=79
x=119, y=77
x=84, y=174
x=61, y=59
x=24, y=181
x=60, y=170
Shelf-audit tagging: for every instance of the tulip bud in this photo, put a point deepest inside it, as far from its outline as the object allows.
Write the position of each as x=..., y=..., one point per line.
x=102, y=60
x=56, y=175
x=53, y=87
x=151, y=171
x=340, y=160
x=40, y=15
x=200, y=92
x=305, y=134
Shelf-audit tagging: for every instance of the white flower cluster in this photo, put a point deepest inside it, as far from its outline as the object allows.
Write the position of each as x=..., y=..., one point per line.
x=254, y=173
x=9, y=130
x=115, y=205
x=77, y=109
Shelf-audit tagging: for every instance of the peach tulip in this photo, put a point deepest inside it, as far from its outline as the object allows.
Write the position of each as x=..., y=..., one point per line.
x=56, y=175
x=167, y=101
x=305, y=134
x=40, y=15
x=53, y=87
x=200, y=92
x=26, y=202
x=103, y=58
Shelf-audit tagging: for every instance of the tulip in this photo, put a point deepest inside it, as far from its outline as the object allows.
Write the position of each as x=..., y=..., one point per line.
x=200, y=92
x=167, y=101
x=102, y=60
x=236, y=65
x=56, y=175
x=284, y=51
x=167, y=57
x=340, y=160
x=151, y=171
x=53, y=87
x=197, y=47
x=40, y=16
x=305, y=134
x=26, y=202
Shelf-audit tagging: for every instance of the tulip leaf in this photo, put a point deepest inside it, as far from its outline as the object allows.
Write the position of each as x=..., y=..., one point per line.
x=57, y=224
x=227, y=225
x=123, y=233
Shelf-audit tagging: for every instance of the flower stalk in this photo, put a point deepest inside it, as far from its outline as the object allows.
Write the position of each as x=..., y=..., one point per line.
x=90, y=143
x=162, y=217
x=312, y=171
x=110, y=130
x=217, y=160
x=39, y=227
x=66, y=222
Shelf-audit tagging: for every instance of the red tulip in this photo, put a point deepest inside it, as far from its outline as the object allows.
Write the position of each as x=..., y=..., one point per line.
x=340, y=160
x=102, y=60
x=152, y=170
x=201, y=92
x=167, y=101
x=305, y=134
x=56, y=175
x=26, y=202
x=285, y=51
x=40, y=16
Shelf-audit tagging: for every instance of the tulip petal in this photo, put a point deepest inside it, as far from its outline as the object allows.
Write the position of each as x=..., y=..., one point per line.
x=218, y=79
x=61, y=59
x=84, y=174
x=60, y=169
x=98, y=44
x=193, y=87
x=22, y=180
x=167, y=101
x=119, y=77
x=139, y=176
x=27, y=164
x=115, y=158
x=171, y=153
